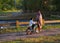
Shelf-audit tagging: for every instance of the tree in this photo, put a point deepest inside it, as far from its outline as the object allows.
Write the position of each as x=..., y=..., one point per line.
x=32, y=4
x=57, y=4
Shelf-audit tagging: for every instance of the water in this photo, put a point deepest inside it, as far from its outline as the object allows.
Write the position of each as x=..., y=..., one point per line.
x=12, y=21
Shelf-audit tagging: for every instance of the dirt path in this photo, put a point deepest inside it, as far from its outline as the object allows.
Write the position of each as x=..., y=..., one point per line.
x=18, y=35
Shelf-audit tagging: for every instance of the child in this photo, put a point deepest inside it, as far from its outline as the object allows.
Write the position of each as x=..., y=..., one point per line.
x=31, y=24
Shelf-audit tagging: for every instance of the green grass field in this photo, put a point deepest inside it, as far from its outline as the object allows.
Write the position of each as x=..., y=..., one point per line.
x=9, y=30
x=57, y=26
x=41, y=39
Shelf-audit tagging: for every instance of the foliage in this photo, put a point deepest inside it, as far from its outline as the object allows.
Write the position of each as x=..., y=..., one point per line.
x=9, y=4
x=31, y=5
x=57, y=4
x=49, y=5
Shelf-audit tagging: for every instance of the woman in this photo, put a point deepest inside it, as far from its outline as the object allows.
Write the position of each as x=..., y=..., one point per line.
x=39, y=20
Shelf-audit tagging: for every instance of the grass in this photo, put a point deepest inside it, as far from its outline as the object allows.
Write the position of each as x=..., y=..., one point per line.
x=41, y=39
x=7, y=12
x=9, y=30
x=13, y=10
x=57, y=26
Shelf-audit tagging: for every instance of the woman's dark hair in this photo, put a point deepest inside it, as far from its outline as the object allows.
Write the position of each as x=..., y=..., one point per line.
x=38, y=9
